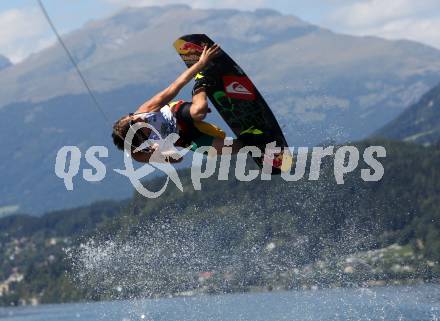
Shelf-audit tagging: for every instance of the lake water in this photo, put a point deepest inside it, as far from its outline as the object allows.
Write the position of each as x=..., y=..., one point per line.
x=416, y=303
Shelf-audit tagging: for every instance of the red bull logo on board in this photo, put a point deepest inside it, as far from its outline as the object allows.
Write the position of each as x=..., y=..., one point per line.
x=185, y=48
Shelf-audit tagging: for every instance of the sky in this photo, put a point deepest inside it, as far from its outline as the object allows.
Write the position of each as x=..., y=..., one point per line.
x=23, y=29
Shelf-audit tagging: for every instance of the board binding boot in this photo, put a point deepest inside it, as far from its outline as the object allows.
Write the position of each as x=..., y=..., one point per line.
x=202, y=81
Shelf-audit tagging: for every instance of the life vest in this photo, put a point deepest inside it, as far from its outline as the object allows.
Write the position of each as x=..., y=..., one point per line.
x=163, y=121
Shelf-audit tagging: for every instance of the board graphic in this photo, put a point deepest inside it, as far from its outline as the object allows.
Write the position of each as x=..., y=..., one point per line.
x=234, y=95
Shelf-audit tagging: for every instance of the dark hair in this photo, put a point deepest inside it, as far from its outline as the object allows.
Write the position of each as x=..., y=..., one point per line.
x=120, y=130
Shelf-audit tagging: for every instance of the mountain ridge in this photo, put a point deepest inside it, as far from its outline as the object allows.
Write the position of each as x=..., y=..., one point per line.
x=419, y=123
x=112, y=36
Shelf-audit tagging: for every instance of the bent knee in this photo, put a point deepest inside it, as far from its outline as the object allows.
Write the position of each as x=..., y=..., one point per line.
x=198, y=111
x=198, y=117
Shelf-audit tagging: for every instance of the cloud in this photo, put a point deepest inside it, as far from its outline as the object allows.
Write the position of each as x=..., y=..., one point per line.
x=243, y=4
x=424, y=30
x=392, y=19
x=22, y=31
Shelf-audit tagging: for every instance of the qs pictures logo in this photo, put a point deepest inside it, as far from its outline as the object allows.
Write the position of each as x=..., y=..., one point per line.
x=206, y=162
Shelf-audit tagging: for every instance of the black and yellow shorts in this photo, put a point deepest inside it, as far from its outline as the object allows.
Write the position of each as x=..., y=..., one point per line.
x=195, y=133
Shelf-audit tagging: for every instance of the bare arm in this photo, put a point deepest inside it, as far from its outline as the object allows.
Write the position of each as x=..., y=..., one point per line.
x=165, y=96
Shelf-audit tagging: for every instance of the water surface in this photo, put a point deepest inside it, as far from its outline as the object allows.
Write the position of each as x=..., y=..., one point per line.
x=405, y=303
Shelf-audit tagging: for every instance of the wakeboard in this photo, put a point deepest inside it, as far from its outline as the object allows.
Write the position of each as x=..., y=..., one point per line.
x=236, y=98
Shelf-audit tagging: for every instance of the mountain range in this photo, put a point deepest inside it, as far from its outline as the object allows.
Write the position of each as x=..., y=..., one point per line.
x=420, y=123
x=321, y=86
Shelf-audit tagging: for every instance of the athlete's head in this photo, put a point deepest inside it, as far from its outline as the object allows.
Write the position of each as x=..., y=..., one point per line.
x=121, y=128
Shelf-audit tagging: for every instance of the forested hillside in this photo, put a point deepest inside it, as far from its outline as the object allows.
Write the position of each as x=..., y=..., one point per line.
x=235, y=236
